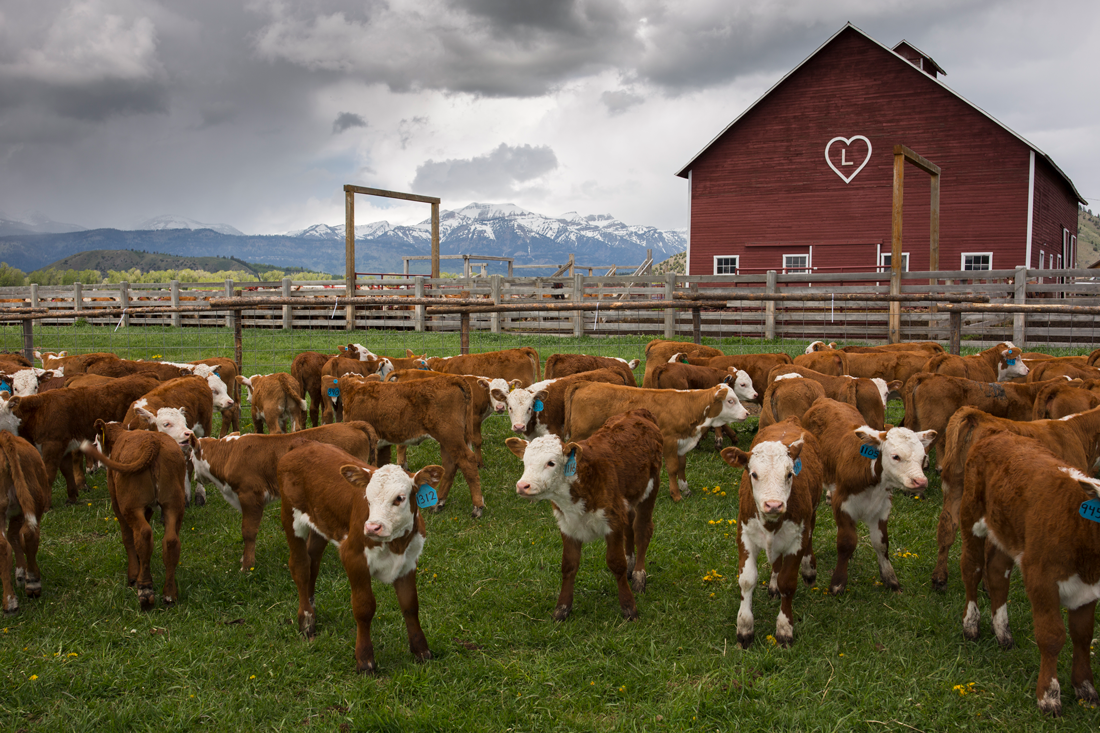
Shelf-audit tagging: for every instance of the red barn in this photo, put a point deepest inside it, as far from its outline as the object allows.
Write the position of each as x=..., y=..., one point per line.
x=804, y=177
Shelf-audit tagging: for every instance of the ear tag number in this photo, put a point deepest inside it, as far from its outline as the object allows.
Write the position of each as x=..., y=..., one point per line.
x=426, y=497
x=333, y=391
x=868, y=452
x=538, y=406
x=1010, y=362
x=571, y=464
x=797, y=466
x=1090, y=510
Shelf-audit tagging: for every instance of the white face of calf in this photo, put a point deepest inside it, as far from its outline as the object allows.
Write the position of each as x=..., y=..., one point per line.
x=544, y=465
x=169, y=420
x=732, y=409
x=385, y=366
x=222, y=400
x=391, y=493
x=8, y=420
x=742, y=384
x=771, y=467
x=1011, y=364
x=524, y=402
x=903, y=453
x=498, y=394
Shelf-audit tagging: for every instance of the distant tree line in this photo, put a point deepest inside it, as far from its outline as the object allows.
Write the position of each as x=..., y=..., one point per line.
x=12, y=276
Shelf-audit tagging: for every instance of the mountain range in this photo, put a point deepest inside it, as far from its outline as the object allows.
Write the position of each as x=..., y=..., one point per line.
x=502, y=230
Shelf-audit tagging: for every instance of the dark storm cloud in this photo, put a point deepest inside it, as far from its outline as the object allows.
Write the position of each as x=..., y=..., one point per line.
x=494, y=174
x=345, y=120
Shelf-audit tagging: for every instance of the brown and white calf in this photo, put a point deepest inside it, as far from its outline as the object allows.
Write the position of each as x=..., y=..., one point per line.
x=563, y=365
x=682, y=416
x=779, y=492
x=869, y=396
x=891, y=366
x=306, y=368
x=791, y=395
x=332, y=409
x=540, y=409
x=1059, y=398
x=862, y=467
x=57, y=421
x=410, y=412
x=275, y=401
x=604, y=486
x=676, y=374
x=242, y=467
x=995, y=364
x=124, y=367
x=189, y=395
x=24, y=498
x=756, y=365
x=1053, y=368
x=831, y=362
x=928, y=347
x=509, y=364
x=226, y=370
x=1072, y=439
x=482, y=406
x=27, y=380
x=145, y=471
x=659, y=351
x=372, y=516
x=1024, y=506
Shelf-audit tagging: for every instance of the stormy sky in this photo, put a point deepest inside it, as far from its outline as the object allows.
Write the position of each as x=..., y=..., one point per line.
x=256, y=113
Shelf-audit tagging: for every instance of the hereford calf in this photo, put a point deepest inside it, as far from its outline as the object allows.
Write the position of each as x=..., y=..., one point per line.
x=145, y=470
x=510, y=364
x=866, y=395
x=24, y=498
x=862, y=467
x=995, y=364
x=831, y=362
x=372, y=516
x=306, y=368
x=928, y=347
x=226, y=370
x=779, y=493
x=888, y=365
x=540, y=409
x=682, y=416
x=756, y=365
x=115, y=367
x=790, y=395
x=243, y=468
x=331, y=406
x=676, y=374
x=191, y=395
x=1059, y=398
x=276, y=401
x=1072, y=439
x=1024, y=506
x=659, y=351
x=1055, y=369
x=604, y=486
x=482, y=406
x=563, y=365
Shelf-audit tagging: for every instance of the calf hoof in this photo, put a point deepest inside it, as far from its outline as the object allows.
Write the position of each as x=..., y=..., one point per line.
x=423, y=656
x=1051, y=701
x=744, y=641
x=477, y=512
x=169, y=601
x=438, y=508
x=34, y=588
x=368, y=667
x=939, y=581
x=147, y=599
x=637, y=581
x=630, y=613
x=773, y=590
x=810, y=577
x=837, y=589
x=1086, y=693
x=684, y=492
x=784, y=640
x=200, y=499
x=892, y=585
x=561, y=613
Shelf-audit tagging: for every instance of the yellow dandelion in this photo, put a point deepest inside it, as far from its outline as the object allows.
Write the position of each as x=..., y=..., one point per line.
x=34, y=677
x=73, y=654
x=251, y=676
x=772, y=640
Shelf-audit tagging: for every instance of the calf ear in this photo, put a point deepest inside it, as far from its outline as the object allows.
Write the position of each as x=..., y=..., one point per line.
x=14, y=402
x=244, y=380
x=183, y=411
x=409, y=353
x=484, y=382
x=498, y=395
x=542, y=394
x=735, y=457
x=430, y=475
x=795, y=449
x=729, y=378
x=145, y=415
x=633, y=364
x=517, y=446
x=927, y=437
x=872, y=436
x=894, y=386
x=356, y=475
x=513, y=384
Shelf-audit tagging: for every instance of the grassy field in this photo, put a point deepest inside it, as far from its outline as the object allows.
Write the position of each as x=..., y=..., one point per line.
x=228, y=656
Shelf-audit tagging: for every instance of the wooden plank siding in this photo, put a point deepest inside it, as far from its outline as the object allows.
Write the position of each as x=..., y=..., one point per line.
x=763, y=188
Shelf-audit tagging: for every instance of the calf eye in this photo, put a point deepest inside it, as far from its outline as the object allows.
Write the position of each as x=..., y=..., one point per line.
x=398, y=500
x=550, y=464
x=753, y=474
x=896, y=457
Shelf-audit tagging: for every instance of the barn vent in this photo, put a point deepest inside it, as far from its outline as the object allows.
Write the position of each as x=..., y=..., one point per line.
x=918, y=58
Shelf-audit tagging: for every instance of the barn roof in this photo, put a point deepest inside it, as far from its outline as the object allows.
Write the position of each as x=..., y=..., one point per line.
x=683, y=173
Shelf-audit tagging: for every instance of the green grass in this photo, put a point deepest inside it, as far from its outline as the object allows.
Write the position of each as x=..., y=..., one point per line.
x=228, y=656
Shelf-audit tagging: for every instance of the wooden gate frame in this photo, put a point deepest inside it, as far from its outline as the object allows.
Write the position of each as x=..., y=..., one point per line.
x=901, y=155
x=349, y=236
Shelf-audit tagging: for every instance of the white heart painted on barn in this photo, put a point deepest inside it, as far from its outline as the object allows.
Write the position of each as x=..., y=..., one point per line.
x=847, y=141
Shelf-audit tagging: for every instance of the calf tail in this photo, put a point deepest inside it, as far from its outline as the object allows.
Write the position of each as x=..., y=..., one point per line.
x=149, y=451
x=534, y=356
x=22, y=490
x=911, y=419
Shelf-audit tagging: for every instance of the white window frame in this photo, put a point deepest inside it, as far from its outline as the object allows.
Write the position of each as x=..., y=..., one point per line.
x=882, y=256
x=964, y=255
x=808, y=267
x=736, y=264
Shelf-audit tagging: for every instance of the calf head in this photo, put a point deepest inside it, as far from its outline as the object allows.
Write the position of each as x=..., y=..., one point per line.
x=903, y=454
x=391, y=493
x=49, y=360
x=742, y=385
x=218, y=388
x=498, y=393
x=771, y=469
x=820, y=346
x=724, y=407
x=549, y=466
x=9, y=420
x=631, y=365
x=356, y=351
x=1011, y=364
x=172, y=421
x=249, y=382
x=524, y=404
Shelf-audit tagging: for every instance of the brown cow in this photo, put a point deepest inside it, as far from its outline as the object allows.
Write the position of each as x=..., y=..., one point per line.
x=510, y=365
x=24, y=498
x=540, y=409
x=604, y=486
x=831, y=362
x=895, y=366
x=1022, y=505
x=275, y=401
x=226, y=369
x=659, y=351
x=1055, y=369
x=866, y=395
x=757, y=366
x=306, y=368
x=995, y=364
x=791, y=395
x=482, y=405
x=563, y=365
x=1058, y=398
x=372, y=516
x=331, y=406
x=927, y=347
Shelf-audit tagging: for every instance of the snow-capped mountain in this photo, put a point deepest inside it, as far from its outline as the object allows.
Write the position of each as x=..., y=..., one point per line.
x=32, y=222
x=170, y=221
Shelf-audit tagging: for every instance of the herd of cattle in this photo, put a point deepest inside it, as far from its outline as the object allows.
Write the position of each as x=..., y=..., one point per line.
x=1017, y=439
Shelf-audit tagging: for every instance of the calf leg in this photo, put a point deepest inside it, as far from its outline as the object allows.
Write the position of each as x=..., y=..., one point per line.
x=570, y=561
x=807, y=558
x=1050, y=636
x=998, y=568
x=300, y=573
x=405, y=586
x=362, y=606
x=746, y=580
x=252, y=512
x=315, y=546
x=11, y=603
x=53, y=455
x=785, y=569
x=672, y=467
x=972, y=562
x=643, y=531
x=133, y=565
x=1081, y=621
x=846, y=538
x=880, y=540
x=143, y=549
x=948, y=525
x=25, y=539
x=616, y=563
x=170, y=552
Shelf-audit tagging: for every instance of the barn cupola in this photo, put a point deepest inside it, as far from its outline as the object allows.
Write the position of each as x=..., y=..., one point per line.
x=918, y=58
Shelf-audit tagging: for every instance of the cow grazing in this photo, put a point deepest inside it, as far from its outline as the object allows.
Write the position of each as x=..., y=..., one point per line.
x=790, y=395
x=563, y=365
x=779, y=492
x=682, y=416
x=1024, y=506
x=410, y=412
x=995, y=364
x=145, y=470
x=331, y=406
x=56, y=421
x=604, y=486
x=372, y=516
x=520, y=365
x=1072, y=439
x=275, y=401
x=830, y=361
x=866, y=395
x=540, y=409
x=862, y=467
x=24, y=498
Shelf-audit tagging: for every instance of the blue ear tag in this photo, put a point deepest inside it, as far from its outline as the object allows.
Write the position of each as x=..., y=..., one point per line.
x=5, y=387
x=334, y=391
x=538, y=405
x=797, y=466
x=1010, y=362
x=1090, y=510
x=868, y=452
x=571, y=464
x=426, y=497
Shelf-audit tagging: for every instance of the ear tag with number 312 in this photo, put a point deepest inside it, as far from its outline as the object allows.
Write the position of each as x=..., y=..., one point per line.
x=426, y=497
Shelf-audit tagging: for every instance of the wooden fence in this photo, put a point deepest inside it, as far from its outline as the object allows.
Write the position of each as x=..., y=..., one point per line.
x=760, y=306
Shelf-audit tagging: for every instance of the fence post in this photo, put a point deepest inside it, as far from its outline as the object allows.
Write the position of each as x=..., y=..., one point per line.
x=954, y=344
x=771, y=285
x=288, y=316
x=670, y=313
x=124, y=301
x=1019, y=322
x=34, y=295
x=78, y=296
x=464, y=337
x=229, y=318
x=578, y=297
x=177, y=319
x=696, y=316
x=494, y=319
x=238, y=339
x=28, y=339
x=421, y=310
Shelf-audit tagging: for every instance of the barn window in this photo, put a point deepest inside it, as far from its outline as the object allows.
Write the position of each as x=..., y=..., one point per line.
x=977, y=260
x=726, y=265
x=886, y=261
x=796, y=263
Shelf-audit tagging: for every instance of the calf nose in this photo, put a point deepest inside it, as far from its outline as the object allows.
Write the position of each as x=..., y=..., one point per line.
x=919, y=483
x=518, y=427
x=773, y=506
x=522, y=487
x=372, y=528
